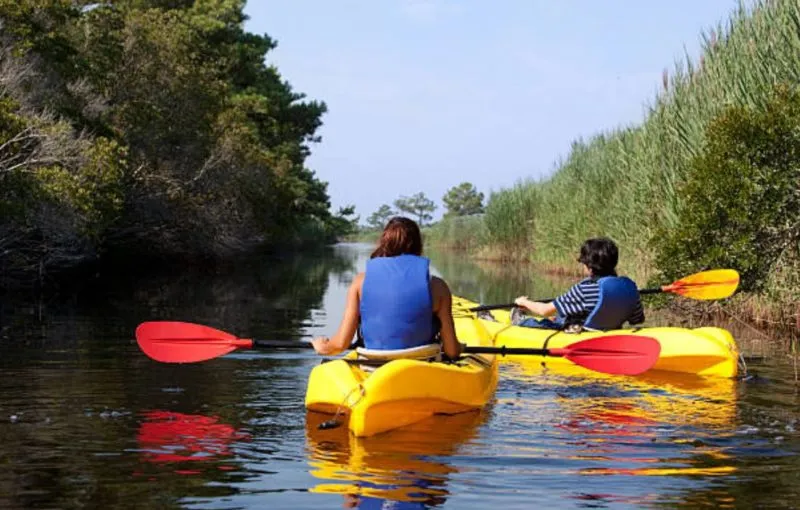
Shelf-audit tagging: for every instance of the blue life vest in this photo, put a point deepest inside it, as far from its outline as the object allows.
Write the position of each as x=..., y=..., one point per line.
x=396, y=304
x=618, y=299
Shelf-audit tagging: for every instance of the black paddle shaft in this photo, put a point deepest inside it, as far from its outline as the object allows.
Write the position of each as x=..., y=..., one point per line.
x=469, y=349
x=281, y=344
x=484, y=308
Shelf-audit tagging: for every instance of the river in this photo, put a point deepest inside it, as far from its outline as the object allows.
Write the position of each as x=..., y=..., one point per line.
x=88, y=421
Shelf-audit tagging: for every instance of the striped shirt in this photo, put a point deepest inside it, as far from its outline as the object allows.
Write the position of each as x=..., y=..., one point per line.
x=575, y=305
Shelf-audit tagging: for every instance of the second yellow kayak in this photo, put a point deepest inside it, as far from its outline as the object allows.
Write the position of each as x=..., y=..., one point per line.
x=705, y=351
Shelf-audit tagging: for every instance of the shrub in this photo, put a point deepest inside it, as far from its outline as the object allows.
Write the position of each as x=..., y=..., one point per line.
x=741, y=198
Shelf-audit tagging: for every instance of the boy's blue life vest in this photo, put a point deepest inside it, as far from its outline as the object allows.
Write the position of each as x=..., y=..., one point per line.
x=617, y=301
x=396, y=304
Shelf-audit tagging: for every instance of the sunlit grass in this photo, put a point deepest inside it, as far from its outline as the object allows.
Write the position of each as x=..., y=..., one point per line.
x=623, y=184
x=465, y=233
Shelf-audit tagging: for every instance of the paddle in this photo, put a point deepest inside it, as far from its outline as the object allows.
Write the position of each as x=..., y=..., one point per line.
x=184, y=342
x=706, y=285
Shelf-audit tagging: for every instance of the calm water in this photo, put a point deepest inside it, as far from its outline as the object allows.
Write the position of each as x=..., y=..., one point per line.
x=87, y=421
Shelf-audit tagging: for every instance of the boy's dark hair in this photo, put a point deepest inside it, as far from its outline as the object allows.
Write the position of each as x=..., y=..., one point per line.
x=600, y=255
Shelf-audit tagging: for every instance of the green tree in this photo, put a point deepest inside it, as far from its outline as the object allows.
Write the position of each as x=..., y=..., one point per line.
x=742, y=198
x=463, y=200
x=160, y=121
x=378, y=219
x=417, y=205
x=343, y=223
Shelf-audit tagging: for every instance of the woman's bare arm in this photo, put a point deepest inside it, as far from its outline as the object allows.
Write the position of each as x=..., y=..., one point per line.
x=443, y=308
x=347, y=328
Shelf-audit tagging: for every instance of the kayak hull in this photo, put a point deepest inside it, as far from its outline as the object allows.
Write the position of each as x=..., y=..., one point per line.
x=707, y=351
x=403, y=391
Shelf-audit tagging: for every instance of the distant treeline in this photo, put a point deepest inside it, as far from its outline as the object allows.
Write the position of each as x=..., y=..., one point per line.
x=148, y=128
x=711, y=178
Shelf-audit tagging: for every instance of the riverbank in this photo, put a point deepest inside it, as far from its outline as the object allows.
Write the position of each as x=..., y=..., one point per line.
x=757, y=311
x=468, y=237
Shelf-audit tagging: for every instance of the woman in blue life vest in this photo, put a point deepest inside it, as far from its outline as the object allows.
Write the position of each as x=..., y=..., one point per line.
x=602, y=301
x=396, y=302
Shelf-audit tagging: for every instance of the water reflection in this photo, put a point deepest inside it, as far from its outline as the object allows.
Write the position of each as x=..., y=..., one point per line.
x=407, y=467
x=657, y=426
x=269, y=296
x=495, y=283
x=166, y=436
x=81, y=410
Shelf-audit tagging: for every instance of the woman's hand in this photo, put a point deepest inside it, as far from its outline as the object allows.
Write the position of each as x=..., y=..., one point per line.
x=321, y=344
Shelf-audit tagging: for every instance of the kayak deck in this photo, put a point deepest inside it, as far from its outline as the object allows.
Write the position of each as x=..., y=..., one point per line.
x=707, y=351
x=403, y=391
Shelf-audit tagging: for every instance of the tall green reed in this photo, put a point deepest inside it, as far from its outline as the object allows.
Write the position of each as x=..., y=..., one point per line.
x=624, y=183
x=457, y=233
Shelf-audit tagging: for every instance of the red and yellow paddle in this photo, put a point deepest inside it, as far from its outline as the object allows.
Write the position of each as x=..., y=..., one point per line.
x=184, y=342
x=706, y=285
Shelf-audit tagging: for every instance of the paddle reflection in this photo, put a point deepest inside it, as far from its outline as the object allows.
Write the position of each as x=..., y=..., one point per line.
x=405, y=467
x=170, y=437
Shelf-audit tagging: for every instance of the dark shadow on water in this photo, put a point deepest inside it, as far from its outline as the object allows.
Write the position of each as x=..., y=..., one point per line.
x=269, y=296
x=77, y=397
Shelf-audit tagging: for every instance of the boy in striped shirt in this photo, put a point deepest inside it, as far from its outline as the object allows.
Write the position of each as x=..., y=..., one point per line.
x=599, y=258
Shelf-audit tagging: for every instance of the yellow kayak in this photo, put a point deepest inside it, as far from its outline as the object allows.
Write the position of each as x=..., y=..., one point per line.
x=708, y=351
x=403, y=391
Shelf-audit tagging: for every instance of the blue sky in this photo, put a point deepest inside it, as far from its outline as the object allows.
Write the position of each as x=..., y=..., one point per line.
x=425, y=94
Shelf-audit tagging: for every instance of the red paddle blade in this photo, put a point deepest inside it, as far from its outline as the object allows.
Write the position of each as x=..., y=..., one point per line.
x=184, y=342
x=616, y=354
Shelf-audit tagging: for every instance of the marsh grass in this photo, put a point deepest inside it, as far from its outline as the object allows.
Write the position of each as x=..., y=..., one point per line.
x=626, y=183
x=466, y=233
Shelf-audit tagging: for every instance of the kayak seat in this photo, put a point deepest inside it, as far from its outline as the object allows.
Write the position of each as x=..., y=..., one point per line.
x=617, y=301
x=421, y=352
x=426, y=352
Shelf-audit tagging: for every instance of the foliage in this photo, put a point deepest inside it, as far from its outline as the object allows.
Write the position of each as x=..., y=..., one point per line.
x=417, y=205
x=741, y=203
x=59, y=192
x=175, y=136
x=463, y=200
x=343, y=224
x=510, y=217
x=93, y=189
x=465, y=233
x=380, y=217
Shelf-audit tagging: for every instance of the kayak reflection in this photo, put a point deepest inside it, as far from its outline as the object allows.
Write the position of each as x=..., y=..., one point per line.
x=624, y=425
x=406, y=467
x=655, y=396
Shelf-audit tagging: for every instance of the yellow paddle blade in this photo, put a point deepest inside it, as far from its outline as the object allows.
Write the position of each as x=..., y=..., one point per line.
x=713, y=284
